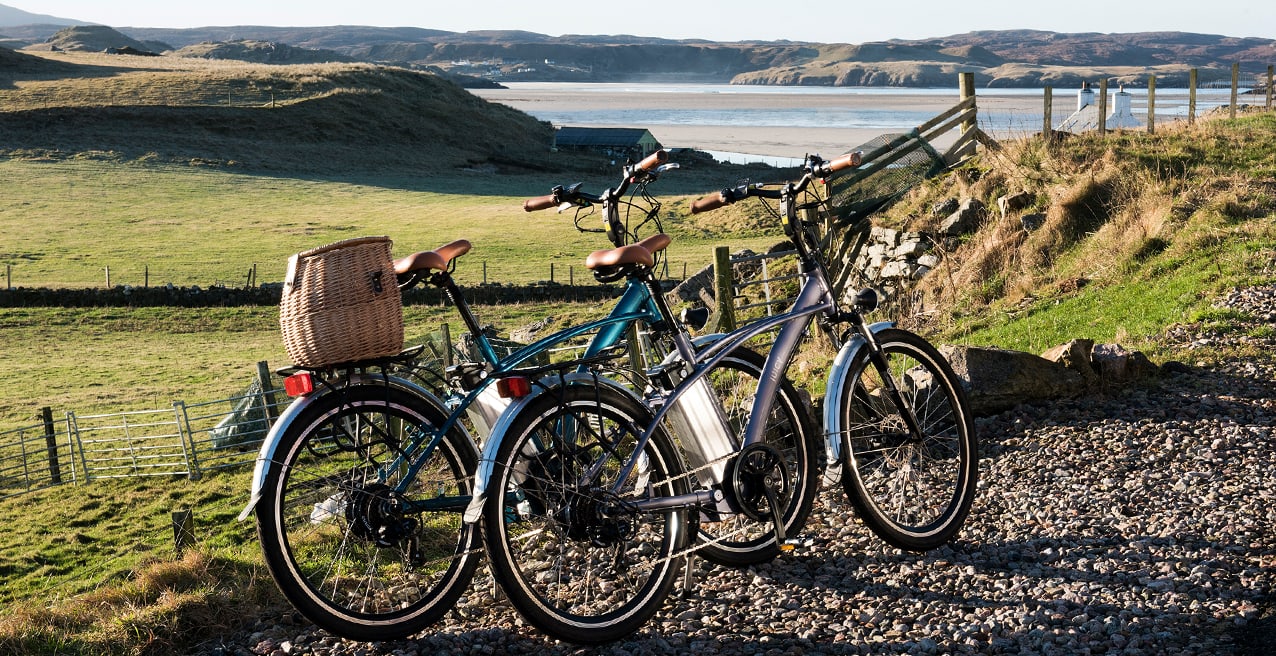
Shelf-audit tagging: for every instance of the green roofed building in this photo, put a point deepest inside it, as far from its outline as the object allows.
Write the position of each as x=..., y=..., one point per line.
x=634, y=143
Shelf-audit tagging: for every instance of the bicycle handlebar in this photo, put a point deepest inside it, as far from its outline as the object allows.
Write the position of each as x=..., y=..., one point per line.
x=846, y=161
x=815, y=167
x=573, y=194
x=540, y=203
x=653, y=160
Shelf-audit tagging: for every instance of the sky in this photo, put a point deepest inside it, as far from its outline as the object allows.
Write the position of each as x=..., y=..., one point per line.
x=738, y=20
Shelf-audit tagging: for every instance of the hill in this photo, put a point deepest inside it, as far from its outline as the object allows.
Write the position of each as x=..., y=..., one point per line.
x=1005, y=58
x=12, y=16
x=301, y=118
x=96, y=38
x=262, y=52
x=998, y=58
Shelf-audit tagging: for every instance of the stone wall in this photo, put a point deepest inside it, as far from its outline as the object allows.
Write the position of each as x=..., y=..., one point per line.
x=268, y=294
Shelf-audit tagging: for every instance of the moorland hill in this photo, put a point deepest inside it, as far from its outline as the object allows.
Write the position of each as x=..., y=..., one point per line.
x=1001, y=58
x=301, y=118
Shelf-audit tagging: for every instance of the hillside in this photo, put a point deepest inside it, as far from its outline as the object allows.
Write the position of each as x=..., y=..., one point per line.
x=1003, y=58
x=12, y=16
x=296, y=118
x=96, y=38
x=998, y=58
x=261, y=52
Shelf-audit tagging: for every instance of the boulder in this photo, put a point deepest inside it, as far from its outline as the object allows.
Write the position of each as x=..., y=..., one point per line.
x=1115, y=365
x=1032, y=222
x=999, y=379
x=965, y=220
x=1075, y=355
x=1011, y=203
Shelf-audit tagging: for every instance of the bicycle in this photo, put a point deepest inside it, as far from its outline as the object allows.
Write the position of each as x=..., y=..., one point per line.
x=587, y=555
x=360, y=485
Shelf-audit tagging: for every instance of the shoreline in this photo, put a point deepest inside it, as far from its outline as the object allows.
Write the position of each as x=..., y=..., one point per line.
x=717, y=117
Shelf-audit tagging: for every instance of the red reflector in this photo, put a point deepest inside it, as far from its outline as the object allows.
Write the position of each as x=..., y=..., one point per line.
x=299, y=384
x=514, y=387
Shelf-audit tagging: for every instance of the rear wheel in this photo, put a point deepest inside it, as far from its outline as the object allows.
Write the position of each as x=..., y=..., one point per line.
x=913, y=488
x=355, y=541
x=577, y=557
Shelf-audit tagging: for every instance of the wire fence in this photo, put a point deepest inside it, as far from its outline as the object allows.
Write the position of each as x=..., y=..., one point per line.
x=188, y=439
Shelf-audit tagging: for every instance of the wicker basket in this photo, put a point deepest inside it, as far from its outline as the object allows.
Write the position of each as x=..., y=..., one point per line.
x=341, y=304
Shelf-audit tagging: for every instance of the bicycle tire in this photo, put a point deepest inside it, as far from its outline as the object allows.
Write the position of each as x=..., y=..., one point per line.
x=345, y=560
x=791, y=431
x=568, y=563
x=915, y=494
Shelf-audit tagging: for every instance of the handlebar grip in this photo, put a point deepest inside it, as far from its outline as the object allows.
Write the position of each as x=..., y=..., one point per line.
x=653, y=160
x=844, y=162
x=539, y=203
x=709, y=203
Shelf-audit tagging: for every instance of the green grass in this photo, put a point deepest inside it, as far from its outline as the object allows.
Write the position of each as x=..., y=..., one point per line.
x=67, y=222
x=1142, y=232
x=107, y=578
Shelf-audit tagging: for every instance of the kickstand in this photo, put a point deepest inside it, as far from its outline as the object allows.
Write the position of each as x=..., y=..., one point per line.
x=688, y=575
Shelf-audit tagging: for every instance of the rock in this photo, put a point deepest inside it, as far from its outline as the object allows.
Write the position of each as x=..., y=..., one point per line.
x=1013, y=203
x=1032, y=222
x=965, y=220
x=946, y=206
x=1115, y=365
x=1075, y=355
x=999, y=379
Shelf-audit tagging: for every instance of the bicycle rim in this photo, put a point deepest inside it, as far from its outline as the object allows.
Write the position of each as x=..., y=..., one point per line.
x=333, y=540
x=913, y=491
x=575, y=560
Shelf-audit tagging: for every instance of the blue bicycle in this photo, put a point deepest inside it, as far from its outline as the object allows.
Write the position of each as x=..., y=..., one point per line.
x=361, y=484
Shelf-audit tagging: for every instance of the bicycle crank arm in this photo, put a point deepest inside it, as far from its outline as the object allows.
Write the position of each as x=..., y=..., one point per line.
x=774, y=504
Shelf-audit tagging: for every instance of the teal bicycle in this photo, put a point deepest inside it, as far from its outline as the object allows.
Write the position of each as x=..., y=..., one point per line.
x=361, y=484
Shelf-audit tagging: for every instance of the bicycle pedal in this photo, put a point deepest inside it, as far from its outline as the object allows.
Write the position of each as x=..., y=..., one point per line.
x=788, y=546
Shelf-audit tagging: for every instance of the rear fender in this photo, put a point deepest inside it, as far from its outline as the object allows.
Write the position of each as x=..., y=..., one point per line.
x=266, y=457
x=487, y=460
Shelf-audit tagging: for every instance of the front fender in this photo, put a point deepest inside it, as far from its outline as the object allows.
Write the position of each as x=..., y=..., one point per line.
x=266, y=457
x=837, y=380
x=487, y=460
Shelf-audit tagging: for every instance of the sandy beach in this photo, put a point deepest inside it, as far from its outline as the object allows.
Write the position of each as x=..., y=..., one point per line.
x=542, y=100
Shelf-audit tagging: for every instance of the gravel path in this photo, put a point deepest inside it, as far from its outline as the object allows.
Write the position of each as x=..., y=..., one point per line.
x=1135, y=523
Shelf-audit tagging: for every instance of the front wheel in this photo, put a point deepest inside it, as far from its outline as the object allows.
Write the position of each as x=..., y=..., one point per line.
x=360, y=522
x=579, y=556
x=912, y=482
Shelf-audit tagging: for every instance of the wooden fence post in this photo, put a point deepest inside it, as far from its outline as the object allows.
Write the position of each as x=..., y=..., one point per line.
x=1269, y=87
x=966, y=83
x=1047, y=115
x=1151, y=104
x=267, y=392
x=1191, y=96
x=724, y=289
x=1103, y=106
x=183, y=529
x=51, y=441
x=445, y=335
x=1236, y=78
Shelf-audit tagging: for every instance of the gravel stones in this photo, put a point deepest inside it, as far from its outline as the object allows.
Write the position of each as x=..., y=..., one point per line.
x=1135, y=522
